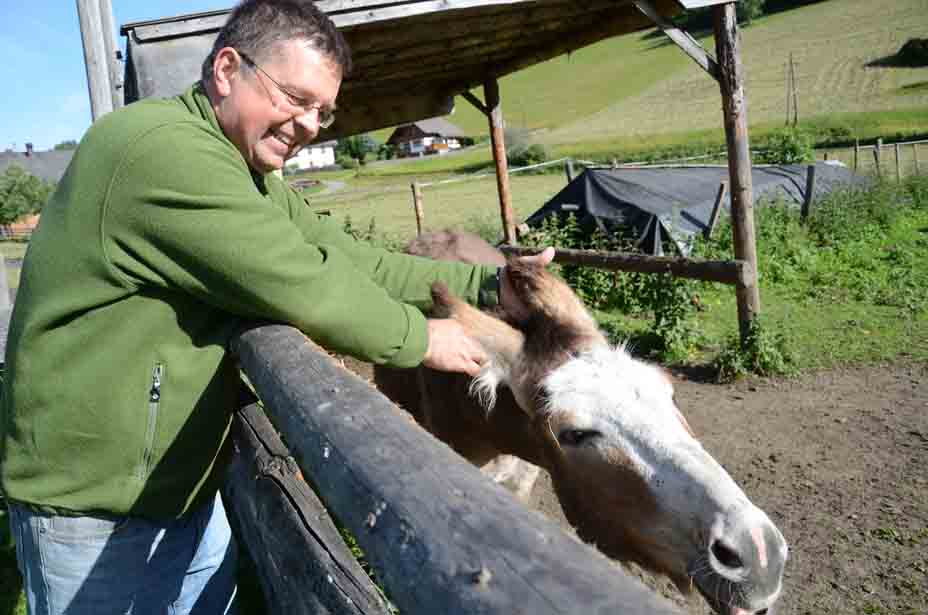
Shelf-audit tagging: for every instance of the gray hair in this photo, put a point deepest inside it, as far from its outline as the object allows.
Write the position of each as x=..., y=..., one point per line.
x=258, y=27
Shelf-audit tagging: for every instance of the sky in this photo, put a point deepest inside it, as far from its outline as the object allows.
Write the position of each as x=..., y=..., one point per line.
x=44, y=98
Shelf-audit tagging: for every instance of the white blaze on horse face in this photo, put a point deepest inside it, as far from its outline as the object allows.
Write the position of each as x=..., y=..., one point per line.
x=630, y=405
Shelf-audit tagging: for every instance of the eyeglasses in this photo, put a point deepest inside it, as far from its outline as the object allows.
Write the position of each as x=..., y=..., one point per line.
x=300, y=105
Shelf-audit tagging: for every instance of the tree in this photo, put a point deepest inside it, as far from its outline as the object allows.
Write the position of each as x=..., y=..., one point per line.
x=21, y=194
x=69, y=144
x=357, y=147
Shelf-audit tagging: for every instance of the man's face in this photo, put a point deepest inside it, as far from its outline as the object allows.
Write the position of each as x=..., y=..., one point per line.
x=269, y=122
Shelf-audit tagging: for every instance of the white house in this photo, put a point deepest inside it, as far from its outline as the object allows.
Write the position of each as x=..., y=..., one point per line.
x=313, y=156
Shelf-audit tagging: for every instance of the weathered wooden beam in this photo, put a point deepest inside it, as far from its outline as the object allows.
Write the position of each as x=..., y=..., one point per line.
x=476, y=102
x=682, y=39
x=498, y=143
x=727, y=272
x=95, y=58
x=439, y=535
x=111, y=48
x=302, y=562
x=734, y=110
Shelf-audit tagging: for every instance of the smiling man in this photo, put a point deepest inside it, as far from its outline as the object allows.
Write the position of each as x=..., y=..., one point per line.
x=167, y=231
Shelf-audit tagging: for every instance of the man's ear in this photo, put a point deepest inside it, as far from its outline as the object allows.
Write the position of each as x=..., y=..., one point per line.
x=226, y=67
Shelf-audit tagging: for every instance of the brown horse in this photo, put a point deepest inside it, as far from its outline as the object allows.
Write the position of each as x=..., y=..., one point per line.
x=628, y=471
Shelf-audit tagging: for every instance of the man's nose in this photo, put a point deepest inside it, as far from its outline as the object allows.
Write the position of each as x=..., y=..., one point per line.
x=308, y=125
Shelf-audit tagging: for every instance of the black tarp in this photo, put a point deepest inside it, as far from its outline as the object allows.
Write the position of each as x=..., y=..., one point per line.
x=656, y=205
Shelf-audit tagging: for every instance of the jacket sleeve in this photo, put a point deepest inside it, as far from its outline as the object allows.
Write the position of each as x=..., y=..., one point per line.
x=183, y=214
x=407, y=278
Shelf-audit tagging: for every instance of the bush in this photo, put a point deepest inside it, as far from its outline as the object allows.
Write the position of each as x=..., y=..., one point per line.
x=787, y=146
x=764, y=353
x=533, y=154
x=347, y=162
x=21, y=193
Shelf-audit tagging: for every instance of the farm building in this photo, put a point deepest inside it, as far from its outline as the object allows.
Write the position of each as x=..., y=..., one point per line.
x=432, y=136
x=315, y=156
x=660, y=208
x=49, y=165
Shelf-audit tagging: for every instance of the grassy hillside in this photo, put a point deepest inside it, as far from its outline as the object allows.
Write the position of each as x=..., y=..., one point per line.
x=637, y=85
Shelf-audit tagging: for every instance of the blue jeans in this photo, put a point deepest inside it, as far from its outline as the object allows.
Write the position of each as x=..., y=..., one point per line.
x=123, y=565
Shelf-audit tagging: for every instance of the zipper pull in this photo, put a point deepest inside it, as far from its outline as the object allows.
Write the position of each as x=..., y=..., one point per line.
x=155, y=393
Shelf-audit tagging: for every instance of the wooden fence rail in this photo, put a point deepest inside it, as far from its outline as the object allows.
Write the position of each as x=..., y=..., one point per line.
x=441, y=537
x=735, y=272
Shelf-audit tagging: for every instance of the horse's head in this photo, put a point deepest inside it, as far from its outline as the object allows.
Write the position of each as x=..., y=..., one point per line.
x=628, y=471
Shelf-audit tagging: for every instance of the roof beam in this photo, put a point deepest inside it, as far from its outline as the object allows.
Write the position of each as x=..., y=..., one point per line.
x=684, y=41
x=466, y=95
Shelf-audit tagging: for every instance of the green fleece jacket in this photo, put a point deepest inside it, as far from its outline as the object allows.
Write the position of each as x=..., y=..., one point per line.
x=158, y=242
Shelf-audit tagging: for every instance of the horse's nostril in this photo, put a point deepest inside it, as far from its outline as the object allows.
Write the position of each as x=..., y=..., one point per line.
x=726, y=555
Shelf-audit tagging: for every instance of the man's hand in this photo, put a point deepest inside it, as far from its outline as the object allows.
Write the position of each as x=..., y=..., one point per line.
x=451, y=349
x=508, y=298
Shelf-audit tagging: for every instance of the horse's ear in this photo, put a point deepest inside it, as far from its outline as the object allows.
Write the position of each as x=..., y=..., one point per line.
x=548, y=298
x=502, y=343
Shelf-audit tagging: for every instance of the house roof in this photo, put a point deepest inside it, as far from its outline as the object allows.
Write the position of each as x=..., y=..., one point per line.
x=439, y=126
x=48, y=165
x=411, y=57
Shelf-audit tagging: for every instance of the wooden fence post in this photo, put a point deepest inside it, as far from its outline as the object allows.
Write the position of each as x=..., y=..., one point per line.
x=915, y=154
x=716, y=209
x=569, y=169
x=417, y=206
x=734, y=109
x=856, y=154
x=810, y=191
x=876, y=156
x=95, y=60
x=498, y=142
x=898, y=167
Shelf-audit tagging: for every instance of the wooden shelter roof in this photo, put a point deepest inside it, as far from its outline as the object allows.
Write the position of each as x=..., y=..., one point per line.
x=411, y=57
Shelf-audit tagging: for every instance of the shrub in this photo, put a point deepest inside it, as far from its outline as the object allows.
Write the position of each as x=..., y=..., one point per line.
x=787, y=146
x=764, y=352
x=21, y=193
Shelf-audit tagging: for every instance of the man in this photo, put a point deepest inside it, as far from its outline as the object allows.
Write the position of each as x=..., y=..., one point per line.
x=167, y=231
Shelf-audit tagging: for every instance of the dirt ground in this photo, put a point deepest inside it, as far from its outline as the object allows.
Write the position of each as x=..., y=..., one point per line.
x=838, y=460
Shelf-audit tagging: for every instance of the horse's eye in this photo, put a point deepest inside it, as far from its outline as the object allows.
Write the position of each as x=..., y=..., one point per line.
x=577, y=437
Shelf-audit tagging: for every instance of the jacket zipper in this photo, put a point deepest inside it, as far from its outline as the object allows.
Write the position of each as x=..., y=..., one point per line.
x=154, y=401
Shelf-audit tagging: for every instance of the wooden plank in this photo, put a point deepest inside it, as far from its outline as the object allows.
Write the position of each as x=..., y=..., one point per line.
x=442, y=538
x=682, y=39
x=734, y=109
x=716, y=210
x=726, y=272
x=95, y=59
x=498, y=143
x=302, y=562
x=810, y=193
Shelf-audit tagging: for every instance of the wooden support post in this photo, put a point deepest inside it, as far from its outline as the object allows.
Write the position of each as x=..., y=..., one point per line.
x=716, y=210
x=856, y=154
x=810, y=192
x=915, y=154
x=498, y=141
x=114, y=66
x=826, y=155
x=734, y=109
x=898, y=165
x=98, y=77
x=417, y=206
x=5, y=303
x=569, y=169
x=876, y=157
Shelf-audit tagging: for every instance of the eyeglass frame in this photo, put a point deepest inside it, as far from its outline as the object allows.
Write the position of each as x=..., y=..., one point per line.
x=326, y=116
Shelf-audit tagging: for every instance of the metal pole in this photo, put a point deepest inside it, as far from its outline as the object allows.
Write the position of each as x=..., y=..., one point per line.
x=734, y=109
x=98, y=78
x=498, y=140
